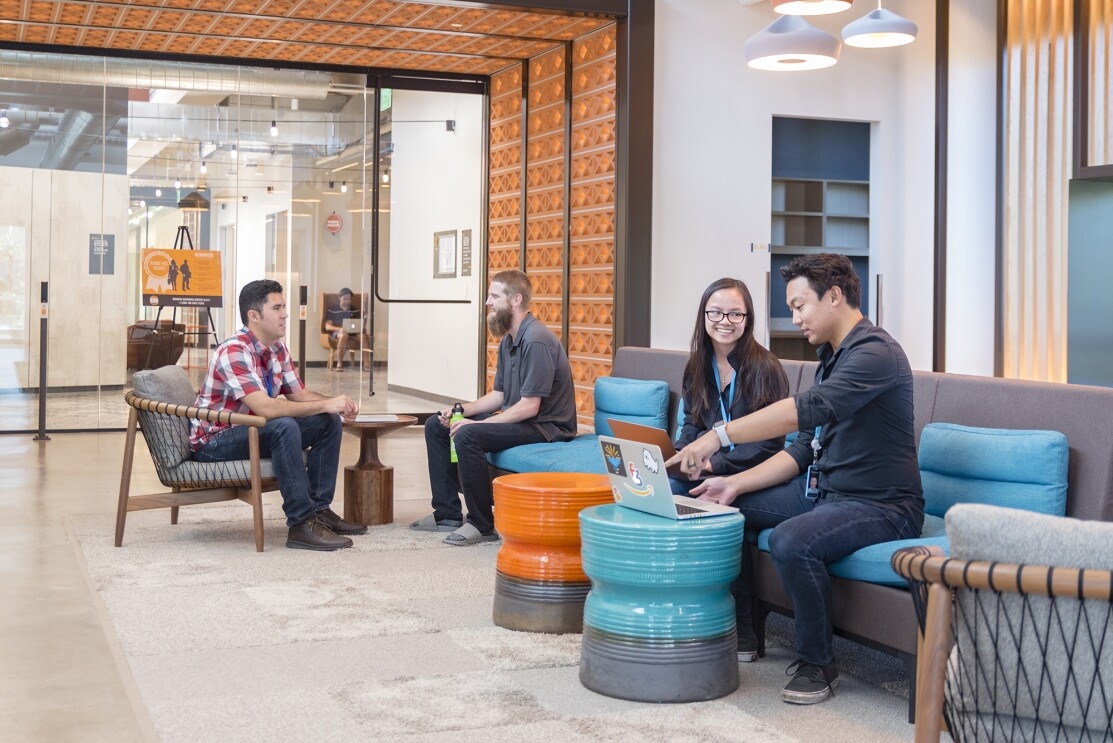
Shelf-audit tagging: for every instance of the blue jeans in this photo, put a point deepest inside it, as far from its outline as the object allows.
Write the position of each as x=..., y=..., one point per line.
x=470, y=473
x=807, y=536
x=305, y=489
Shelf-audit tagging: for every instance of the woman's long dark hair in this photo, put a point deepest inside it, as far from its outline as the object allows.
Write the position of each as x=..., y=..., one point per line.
x=760, y=375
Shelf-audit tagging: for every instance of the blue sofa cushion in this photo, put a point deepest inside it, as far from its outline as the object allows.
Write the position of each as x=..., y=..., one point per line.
x=871, y=564
x=644, y=401
x=993, y=466
x=581, y=454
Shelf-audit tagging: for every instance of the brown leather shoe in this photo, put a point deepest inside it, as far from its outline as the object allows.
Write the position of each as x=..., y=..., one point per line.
x=313, y=535
x=338, y=525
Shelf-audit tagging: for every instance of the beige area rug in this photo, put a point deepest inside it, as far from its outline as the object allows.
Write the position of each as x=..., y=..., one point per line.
x=391, y=640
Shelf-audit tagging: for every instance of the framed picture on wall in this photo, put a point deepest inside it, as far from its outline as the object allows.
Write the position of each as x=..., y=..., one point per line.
x=444, y=255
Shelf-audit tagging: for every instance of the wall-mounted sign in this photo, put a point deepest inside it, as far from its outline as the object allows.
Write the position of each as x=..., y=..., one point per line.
x=465, y=252
x=102, y=253
x=181, y=278
x=334, y=223
x=444, y=255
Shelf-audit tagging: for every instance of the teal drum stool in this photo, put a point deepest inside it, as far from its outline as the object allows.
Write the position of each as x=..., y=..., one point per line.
x=659, y=621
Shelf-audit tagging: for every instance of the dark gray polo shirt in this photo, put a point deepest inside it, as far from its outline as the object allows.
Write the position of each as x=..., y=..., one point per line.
x=863, y=401
x=534, y=364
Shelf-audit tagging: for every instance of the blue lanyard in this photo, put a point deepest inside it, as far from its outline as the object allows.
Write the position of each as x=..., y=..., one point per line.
x=723, y=408
x=268, y=381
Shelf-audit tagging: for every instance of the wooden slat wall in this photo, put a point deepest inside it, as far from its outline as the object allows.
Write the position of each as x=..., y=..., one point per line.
x=545, y=147
x=590, y=159
x=591, y=254
x=504, y=232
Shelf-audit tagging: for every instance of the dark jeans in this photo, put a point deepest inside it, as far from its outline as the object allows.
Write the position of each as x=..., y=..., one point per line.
x=470, y=474
x=807, y=535
x=305, y=489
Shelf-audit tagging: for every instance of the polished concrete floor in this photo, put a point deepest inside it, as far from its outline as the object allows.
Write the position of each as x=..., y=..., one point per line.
x=60, y=681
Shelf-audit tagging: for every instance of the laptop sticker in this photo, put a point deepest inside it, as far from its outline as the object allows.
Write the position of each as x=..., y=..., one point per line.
x=651, y=464
x=613, y=457
x=640, y=492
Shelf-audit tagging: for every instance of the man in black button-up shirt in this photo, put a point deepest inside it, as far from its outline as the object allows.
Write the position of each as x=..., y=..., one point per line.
x=855, y=442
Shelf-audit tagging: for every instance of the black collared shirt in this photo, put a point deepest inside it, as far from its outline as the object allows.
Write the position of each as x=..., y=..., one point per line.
x=534, y=364
x=863, y=401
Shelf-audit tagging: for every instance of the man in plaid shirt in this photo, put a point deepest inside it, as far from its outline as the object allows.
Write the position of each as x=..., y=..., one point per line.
x=252, y=373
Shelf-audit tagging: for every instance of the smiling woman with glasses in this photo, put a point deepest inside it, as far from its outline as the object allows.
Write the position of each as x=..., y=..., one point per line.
x=728, y=375
x=735, y=317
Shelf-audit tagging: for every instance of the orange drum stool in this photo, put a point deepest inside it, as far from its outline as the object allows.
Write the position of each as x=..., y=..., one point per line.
x=540, y=584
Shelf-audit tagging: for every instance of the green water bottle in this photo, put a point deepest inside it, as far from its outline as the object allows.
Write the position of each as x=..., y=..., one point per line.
x=457, y=415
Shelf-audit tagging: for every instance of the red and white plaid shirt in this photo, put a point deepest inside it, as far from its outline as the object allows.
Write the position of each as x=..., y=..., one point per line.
x=242, y=365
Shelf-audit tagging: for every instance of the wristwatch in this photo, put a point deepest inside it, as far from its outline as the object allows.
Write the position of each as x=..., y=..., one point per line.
x=721, y=429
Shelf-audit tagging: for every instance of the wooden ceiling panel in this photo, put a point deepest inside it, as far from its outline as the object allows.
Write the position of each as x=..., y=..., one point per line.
x=359, y=33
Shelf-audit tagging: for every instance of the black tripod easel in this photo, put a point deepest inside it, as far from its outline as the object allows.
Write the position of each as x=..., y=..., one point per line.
x=181, y=240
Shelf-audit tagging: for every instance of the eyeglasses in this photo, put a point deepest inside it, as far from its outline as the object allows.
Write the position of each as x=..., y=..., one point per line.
x=736, y=318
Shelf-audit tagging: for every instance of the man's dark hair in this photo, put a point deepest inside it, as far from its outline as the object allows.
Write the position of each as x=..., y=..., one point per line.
x=825, y=270
x=344, y=291
x=254, y=295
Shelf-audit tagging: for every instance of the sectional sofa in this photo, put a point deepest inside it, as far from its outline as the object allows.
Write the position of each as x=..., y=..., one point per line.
x=1070, y=474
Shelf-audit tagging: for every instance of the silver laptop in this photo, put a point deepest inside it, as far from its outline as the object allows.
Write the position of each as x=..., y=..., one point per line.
x=639, y=481
x=351, y=325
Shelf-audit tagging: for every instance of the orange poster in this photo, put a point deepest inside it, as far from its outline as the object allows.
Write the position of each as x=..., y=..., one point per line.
x=181, y=278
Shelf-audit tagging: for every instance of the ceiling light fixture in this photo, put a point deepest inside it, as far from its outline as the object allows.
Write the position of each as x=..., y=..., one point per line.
x=204, y=168
x=810, y=7
x=4, y=122
x=177, y=183
x=233, y=154
x=331, y=185
x=158, y=193
x=344, y=187
x=790, y=43
x=879, y=28
x=386, y=177
x=274, y=127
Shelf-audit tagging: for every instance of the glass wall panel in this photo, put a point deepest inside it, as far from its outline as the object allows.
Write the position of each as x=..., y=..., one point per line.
x=146, y=194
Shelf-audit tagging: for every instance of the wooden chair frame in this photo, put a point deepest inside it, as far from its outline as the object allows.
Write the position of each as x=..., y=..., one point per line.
x=183, y=493
x=934, y=579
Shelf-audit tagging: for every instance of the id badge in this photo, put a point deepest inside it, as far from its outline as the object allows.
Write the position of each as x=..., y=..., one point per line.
x=811, y=490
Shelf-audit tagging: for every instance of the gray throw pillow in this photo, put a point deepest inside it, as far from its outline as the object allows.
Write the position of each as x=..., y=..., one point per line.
x=165, y=384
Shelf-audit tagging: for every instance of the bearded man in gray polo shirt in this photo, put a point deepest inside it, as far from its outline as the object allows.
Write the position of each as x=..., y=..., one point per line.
x=535, y=402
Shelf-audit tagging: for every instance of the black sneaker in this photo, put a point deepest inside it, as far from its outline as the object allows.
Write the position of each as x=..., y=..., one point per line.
x=747, y=644
x=810, y=683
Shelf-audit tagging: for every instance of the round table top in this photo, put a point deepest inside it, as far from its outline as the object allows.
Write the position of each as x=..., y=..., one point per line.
x=615, y=517
x=376, y=422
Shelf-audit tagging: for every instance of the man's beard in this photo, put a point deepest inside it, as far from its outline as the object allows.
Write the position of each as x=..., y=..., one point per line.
x=499, y=321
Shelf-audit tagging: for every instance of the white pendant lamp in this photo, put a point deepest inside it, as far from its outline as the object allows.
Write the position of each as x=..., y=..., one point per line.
x=791, y=43
x=810, y=7
x=879, y=28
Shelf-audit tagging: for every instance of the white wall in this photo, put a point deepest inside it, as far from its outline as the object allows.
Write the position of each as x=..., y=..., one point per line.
x=435, y=185
x=712, y=159
x=971, y=187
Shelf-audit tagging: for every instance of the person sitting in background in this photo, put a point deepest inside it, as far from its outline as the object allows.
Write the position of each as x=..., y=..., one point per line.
x=334, y=323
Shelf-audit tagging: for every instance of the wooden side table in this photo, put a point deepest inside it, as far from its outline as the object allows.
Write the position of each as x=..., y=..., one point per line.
x=369, y=484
